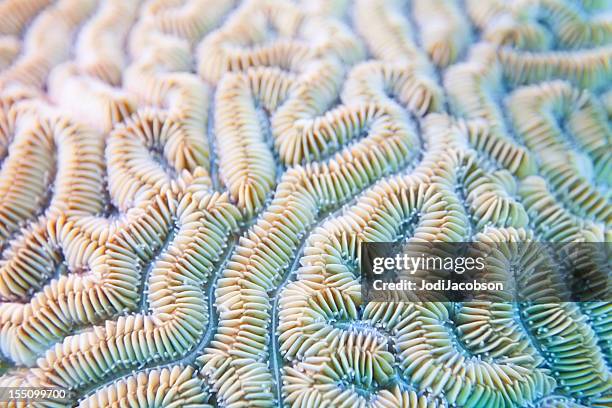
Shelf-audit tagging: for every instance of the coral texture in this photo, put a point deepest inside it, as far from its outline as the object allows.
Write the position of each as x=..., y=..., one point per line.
x=185, y=185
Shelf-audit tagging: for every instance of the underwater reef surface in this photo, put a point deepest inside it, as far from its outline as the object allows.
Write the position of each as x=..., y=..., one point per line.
x=184, y=187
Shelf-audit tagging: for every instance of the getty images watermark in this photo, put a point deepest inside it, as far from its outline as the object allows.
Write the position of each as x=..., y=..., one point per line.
x=492, y=271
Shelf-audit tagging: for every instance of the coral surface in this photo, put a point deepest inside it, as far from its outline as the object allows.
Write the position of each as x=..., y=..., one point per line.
x=185, y=185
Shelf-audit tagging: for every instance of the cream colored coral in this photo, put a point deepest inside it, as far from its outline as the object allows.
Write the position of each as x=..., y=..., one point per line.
x=185, y=185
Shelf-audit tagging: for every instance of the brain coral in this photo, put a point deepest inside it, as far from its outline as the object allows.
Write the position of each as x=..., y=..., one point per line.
x=185, y=185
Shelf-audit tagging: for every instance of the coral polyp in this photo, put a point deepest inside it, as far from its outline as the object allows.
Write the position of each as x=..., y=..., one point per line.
x=186, y=186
